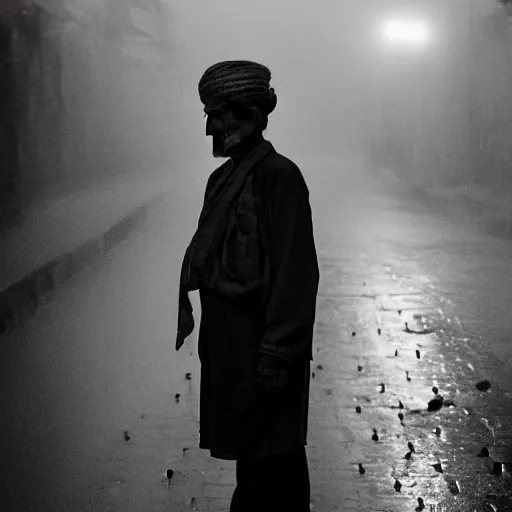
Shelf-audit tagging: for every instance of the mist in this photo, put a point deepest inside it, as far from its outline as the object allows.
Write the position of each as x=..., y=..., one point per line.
x=397, y=113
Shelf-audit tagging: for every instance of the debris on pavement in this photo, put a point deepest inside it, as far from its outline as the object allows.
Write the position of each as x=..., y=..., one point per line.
x=412, y=331
x=497, y=468
x=483, y=385
x=484, y=452
x=438, y=467
x=126, y=435
x=342, y=437
x=436, y=403
x=448, y=403
x=453, y=486
x=169, y=473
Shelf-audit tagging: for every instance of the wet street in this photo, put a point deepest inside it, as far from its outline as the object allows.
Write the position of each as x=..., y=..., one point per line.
x=413, y=308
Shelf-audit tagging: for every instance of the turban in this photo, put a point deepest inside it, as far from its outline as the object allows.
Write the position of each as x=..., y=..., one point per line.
x=237, y=82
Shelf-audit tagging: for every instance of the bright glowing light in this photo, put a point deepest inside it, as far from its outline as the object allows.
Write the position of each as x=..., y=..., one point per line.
x=413, y=32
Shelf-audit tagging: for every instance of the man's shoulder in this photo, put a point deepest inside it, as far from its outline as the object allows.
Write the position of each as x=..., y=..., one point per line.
x=217, y=173
x=220, y=170
x=278, y=167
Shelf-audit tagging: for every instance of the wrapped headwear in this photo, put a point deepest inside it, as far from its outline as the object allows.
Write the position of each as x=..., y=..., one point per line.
x=237, y=82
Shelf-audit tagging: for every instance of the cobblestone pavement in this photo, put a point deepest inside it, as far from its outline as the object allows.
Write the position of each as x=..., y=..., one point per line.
x=99, y=359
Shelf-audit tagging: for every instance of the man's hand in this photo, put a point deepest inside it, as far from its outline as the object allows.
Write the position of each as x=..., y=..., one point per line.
x=273, y=373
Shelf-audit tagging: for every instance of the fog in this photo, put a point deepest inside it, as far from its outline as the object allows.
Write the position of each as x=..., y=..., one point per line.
x=106, y=90
x=102, y=138
x=312, y=51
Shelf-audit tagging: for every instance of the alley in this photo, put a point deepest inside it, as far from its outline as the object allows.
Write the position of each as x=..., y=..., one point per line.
x=97, y=405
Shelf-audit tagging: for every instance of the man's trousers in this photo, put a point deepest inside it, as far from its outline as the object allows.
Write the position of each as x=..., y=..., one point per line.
x=277, y=483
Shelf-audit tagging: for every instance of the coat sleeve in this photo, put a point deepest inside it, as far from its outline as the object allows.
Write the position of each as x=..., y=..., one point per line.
x=294, y=272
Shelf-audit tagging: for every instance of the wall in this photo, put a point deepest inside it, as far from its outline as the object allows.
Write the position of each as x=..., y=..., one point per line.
x=95, y=95
x=491, y=97
x=449, y=122
x=10, y=189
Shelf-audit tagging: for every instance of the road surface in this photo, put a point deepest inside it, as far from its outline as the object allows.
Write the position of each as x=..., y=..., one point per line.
x=98, y=360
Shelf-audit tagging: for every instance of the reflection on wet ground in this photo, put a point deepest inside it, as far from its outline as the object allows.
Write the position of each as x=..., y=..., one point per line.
x=440, y=393
x=424, y=424
x=412, y=310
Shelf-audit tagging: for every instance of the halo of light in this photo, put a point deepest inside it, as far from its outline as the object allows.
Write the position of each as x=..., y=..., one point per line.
x=412, y=32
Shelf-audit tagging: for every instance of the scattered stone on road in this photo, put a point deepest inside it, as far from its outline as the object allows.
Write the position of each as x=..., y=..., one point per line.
x=436, y=403
x=483, y=385
x=484, y=452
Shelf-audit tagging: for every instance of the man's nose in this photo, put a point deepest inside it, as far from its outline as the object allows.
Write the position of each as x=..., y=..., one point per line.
x=208, y=125
x=212, y=127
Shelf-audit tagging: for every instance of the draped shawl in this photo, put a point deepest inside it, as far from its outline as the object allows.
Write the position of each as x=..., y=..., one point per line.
x=223, y=252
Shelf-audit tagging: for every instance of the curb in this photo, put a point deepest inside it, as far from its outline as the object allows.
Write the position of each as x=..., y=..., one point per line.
x=488, y=217
x=21, y=300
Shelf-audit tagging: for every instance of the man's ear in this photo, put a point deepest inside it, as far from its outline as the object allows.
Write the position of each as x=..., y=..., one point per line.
x=256, y=116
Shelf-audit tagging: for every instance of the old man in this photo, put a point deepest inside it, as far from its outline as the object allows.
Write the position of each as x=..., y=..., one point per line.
x=253, y=260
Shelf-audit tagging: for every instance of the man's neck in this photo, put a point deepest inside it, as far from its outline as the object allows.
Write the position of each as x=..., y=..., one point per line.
x=246, y=145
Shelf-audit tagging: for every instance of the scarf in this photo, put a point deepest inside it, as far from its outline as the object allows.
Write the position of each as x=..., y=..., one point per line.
x=218, y=228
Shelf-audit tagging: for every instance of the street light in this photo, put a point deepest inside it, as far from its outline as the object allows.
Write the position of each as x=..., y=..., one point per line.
x=412, y=32
x=408, y=36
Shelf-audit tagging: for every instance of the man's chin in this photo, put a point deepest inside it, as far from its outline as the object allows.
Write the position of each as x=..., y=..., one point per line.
x=218, y=150
x=217, y=146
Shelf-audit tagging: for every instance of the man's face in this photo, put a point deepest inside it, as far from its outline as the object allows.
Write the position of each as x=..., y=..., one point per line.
x=227, y=131
x=214, y=128
x=218, y=123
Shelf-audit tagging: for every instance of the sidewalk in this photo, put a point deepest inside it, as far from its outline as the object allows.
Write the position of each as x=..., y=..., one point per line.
x=360, y=325
x=62, y=235
x=370, y=287
x=100, y=360
x=490, y=207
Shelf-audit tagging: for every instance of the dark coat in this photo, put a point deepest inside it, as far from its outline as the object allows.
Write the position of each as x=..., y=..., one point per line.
x=236, y=419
